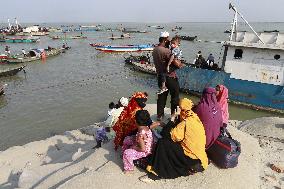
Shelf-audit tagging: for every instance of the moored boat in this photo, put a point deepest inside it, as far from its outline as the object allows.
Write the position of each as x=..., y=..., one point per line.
x=123, y=48
x=2, y=88
x=11, y=71
x=252, y=68
x=34, y=54
x=68, y=37
x=20, y=40
x=188, y=38
x=3, y=57
x=145, y=67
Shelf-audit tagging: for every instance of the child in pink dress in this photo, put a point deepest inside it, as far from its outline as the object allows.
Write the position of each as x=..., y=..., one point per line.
x=140, y=146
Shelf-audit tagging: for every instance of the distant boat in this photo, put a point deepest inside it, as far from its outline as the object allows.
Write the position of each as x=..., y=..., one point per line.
x=159, y=28
x=177, y=28
x=227, y=31
x=123, y=36
x=11, y=72
x=32, y=34
x=270, y=31
x=156, y=26
x=188, y=38
x=123, y=48
x=68, y=37
x=20, y=40
x=133, y=30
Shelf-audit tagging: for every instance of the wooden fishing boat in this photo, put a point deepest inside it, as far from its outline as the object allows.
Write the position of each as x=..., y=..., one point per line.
x=145, y=67
x=123, y=48
x=2, y=87
x=141, y=63
x=3, y=57
x=123, y=36
x=11, y=72
x=20, y=40
x=271, y=31
x=67, y=37
x=188, y=38
x=34, y=54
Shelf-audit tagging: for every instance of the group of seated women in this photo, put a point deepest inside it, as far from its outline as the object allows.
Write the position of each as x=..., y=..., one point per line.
x=186, y=137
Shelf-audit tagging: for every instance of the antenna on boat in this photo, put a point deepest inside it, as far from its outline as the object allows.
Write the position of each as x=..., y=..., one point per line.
x=234, y=24
x=16, y=22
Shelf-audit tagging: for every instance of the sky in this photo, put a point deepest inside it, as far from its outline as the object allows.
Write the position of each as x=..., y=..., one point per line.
x=149, y=11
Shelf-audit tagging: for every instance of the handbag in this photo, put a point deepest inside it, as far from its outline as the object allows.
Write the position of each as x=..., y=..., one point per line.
x=225, y=151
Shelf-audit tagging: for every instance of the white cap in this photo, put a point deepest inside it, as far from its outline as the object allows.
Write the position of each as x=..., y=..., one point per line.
x=164, y=34
x=123, y=101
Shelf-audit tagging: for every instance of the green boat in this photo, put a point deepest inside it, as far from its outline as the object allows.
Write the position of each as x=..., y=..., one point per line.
x=20, y=40
x=35, y=54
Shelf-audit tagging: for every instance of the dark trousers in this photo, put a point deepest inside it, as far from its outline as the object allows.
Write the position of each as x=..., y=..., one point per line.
x=173, y=88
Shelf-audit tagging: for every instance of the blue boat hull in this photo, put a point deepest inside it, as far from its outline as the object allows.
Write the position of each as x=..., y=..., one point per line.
x=260, y=95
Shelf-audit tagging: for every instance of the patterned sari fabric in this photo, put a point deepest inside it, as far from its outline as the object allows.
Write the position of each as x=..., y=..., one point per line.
x=126, y=123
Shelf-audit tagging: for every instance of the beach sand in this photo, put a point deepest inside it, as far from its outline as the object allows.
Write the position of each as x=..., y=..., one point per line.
x=68, y=161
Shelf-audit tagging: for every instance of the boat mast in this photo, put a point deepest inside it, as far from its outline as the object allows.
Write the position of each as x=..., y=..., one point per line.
x=17, y=24
x=10, y=27
x=235, y=24
x=234, y=27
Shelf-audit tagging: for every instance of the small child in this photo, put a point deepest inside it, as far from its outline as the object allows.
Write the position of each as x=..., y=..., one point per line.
x=176, y=52
x=111, y=107
x=101, y=134
x=141, y=145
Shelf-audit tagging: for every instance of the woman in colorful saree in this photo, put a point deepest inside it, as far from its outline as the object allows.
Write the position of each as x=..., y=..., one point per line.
x=126, y=123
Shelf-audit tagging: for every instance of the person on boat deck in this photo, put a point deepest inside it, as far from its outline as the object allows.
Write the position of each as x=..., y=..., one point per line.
x=141, y=145
x=198, y=54
x=210, y=60
x=222, y=95
x=210, y=114
x=126, y=123
x=181, y=150
x=200, y=62
x=113, y=114
x=7, y=50
x=24, y=52
x=161, y=56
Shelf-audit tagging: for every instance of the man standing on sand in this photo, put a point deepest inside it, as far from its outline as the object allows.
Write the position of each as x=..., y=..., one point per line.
x=161, y=56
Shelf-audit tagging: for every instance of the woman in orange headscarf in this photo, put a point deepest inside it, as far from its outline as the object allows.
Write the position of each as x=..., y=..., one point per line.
x=181, y=151
x=126, y=123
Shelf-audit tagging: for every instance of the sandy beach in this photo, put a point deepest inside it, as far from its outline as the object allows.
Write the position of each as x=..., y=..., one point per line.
x=68, y=161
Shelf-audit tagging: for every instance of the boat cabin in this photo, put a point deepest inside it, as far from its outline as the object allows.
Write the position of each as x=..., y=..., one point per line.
x=255, y=58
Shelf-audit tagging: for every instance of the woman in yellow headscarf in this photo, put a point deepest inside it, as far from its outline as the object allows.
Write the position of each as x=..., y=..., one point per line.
x=181, y=151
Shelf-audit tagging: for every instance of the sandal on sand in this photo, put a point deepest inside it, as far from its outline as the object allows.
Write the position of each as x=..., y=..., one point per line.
x=146, y=179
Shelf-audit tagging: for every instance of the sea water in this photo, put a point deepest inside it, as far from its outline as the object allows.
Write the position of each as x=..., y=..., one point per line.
x=73, y=90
